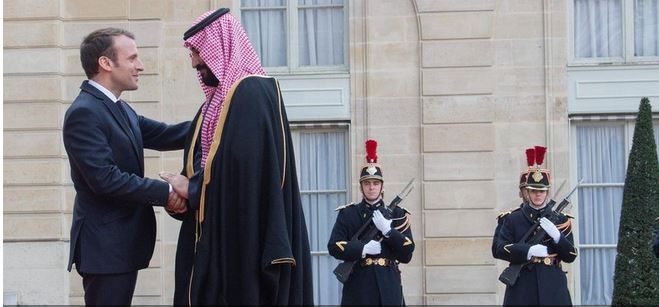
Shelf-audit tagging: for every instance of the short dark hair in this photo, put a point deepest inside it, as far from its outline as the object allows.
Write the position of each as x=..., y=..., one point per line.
x=97, y=44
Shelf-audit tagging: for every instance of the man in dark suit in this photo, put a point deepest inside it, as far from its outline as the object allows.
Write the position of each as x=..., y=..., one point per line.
x=114, y=228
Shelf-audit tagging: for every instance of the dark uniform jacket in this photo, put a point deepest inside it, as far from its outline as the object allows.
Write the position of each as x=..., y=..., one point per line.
x=538, y=283
x=500, y=220
x=378, y=283
x=114, y=227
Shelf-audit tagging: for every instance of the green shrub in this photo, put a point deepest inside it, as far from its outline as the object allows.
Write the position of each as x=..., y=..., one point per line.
x=636, y=277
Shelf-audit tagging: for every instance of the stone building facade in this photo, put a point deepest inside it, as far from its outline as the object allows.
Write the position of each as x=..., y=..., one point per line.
x=453, y=91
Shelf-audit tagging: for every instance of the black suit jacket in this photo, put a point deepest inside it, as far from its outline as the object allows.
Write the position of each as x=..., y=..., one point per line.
x=114, y=227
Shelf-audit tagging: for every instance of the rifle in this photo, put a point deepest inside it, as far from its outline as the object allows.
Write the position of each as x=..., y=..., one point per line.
x=510, y=275
x=368, y=232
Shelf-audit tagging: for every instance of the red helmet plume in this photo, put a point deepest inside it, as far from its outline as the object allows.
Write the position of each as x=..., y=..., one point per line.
x=540, y=154
x=371, y=151
x=530, y=156
x=371, y=170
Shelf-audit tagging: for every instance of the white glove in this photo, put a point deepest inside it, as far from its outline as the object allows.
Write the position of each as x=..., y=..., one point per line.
x=537, y=250
x=550, y=229
x=383, y=224
x=371, y=248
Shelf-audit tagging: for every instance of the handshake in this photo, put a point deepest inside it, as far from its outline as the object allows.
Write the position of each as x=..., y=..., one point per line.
x=178, y=198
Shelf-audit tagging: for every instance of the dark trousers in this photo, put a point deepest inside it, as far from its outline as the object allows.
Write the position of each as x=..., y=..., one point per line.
x=109, y=289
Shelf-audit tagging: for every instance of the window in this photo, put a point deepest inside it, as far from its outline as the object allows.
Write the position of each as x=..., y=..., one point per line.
x=615, y=31
x=646, y=27
x=602, y=150
x=303, y=43
x=294, y=36
x=322, y=164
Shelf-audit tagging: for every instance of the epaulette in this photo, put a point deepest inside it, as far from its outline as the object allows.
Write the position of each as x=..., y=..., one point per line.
x=406, y=211
x=504, y=213
x=344, y=206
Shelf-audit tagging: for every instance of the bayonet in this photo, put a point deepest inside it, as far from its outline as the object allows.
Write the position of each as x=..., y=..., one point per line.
x=401, y=196
x=560, y=187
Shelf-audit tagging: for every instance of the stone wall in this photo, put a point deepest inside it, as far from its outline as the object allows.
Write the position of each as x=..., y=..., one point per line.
x=489, y=88
x=386, y=107
x=453, y=91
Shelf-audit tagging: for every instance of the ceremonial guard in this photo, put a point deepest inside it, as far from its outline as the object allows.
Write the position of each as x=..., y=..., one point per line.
x=523, y=194
x=542, y=280
x=375, y=278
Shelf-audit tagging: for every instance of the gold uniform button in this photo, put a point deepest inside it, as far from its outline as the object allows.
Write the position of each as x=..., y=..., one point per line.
x=547, y=261
x=381, y=261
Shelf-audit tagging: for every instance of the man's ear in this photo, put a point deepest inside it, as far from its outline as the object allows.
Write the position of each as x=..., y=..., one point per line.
x=104, y=63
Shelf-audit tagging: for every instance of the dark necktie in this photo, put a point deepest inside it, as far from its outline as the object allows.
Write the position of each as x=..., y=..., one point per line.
x=121, y=105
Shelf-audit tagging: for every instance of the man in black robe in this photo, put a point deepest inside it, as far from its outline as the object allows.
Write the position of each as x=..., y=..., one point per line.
x=243, y=240
x=375, y=278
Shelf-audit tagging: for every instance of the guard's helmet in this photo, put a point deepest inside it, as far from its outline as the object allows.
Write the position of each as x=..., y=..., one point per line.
x=537, y=178
x=371, y=170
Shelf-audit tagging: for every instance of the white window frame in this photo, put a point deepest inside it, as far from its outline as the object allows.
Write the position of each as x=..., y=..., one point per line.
x=292, y=46
x=629, y=125
x=627, y=40
x=311, y=93
x=611, y=89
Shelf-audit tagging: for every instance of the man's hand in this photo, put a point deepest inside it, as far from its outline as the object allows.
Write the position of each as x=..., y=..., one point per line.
x=550, y=229
x=176, y=204
x=537, y=250
x=382, y=223
x=371, y=248
x=179, y=183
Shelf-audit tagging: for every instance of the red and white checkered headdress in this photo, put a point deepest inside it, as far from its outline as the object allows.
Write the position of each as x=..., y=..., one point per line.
x=225, y=48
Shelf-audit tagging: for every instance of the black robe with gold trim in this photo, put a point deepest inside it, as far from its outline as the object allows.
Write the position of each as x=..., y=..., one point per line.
x=243, y=240
x=372, y=284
